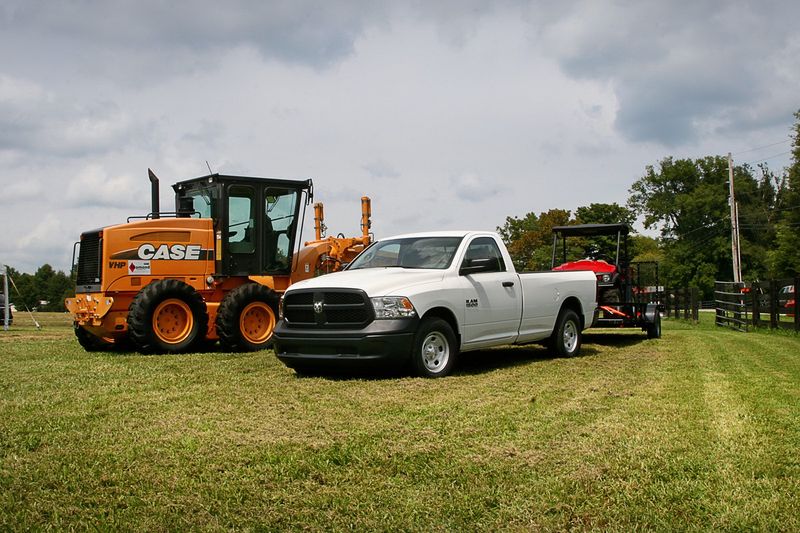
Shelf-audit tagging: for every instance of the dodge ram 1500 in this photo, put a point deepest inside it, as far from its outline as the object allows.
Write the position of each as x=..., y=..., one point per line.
x=423, y=298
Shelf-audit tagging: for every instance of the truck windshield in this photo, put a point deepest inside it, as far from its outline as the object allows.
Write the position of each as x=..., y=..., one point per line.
x=410, y=252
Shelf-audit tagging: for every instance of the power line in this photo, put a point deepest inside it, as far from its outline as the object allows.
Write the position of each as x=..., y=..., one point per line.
x=766, y=158
x=761, y=147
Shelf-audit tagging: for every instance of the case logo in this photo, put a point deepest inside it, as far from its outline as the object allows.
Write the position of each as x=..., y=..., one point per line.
x=189, y=252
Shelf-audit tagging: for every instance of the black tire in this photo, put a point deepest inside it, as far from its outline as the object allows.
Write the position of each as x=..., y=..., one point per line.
x=89, y=341
x=167, y=316
x=566, y=338
x=654, y=329
x=435, y=349
x=246, y=318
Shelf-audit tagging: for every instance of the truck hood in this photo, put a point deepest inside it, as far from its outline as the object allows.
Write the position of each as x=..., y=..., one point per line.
x=373, y=281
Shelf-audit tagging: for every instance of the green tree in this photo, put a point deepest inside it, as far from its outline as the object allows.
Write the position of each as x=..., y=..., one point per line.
x=604, y=214
x=644, y=248
x=45, y=285
x=784, y=257
x=529, y=239
x=688, y=201
x=601, y=214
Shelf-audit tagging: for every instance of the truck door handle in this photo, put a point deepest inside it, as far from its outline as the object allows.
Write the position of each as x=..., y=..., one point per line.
x=508, y=284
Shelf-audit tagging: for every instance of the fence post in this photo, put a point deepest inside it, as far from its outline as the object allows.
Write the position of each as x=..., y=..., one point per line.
x=666, y=301
x=695, y=305
x=686, y=303
x=773, y=304
x=796, y=304
x=755, y=290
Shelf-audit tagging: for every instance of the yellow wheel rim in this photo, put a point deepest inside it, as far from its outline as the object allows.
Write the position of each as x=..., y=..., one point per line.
x=172, y=321
x=257, y=322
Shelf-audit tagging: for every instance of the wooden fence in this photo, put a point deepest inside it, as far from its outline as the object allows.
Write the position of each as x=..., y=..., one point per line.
x=730, y=302
x=772, y=304
x=682, y=303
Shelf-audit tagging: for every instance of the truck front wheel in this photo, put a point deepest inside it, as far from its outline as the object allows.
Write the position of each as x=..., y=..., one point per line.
x=435, y=349
x=566, y=339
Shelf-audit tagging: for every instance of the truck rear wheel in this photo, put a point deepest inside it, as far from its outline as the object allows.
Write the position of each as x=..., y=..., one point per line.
x=246, y=318
x=167, y=316
x=566, y=338
x=435, y=349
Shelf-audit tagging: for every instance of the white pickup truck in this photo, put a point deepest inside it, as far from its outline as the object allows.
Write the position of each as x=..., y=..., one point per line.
x=423, y=298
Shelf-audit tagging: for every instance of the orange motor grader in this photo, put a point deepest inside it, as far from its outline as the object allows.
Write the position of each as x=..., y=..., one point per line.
x=213, y=269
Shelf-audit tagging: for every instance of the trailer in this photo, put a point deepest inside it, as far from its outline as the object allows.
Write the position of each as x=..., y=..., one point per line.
x=629, y=294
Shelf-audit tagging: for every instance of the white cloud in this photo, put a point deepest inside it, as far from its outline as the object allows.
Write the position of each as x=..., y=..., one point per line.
x=18, y=191
x=93, y=187
x=432, y=109
x=472, y=188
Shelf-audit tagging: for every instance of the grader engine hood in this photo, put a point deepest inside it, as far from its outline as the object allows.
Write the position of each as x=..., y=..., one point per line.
x=162, y=247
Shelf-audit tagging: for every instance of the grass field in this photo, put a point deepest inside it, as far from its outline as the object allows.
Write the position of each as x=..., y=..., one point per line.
x=699, y=430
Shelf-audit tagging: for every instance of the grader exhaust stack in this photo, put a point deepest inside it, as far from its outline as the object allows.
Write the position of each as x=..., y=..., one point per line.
x=154, y=199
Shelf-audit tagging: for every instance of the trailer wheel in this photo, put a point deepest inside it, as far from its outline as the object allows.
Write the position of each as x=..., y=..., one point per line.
x=654, y=328
x=90, y=342
x=435, y=349
x=246, y=318
x=167, y=316
x=566, y=338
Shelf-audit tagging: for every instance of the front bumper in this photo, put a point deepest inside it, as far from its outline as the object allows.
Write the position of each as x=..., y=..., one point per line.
x=88, y=309
x=381, y=342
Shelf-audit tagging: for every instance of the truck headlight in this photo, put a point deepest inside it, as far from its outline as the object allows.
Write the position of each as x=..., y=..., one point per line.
x=280, y=308
x=606, y=278
x=387, y=307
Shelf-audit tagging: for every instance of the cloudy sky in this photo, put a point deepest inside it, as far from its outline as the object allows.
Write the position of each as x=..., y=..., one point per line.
x=449, y=114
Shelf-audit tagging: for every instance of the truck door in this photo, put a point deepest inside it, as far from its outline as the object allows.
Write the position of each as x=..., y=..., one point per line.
x=492, y=296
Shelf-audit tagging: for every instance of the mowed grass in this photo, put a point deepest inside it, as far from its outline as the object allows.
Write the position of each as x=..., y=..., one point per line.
x=699, y=430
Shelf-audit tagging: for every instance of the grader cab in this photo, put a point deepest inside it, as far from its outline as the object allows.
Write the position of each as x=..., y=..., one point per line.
x=211, y=270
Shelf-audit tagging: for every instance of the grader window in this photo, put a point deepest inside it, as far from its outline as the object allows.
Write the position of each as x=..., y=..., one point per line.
x=201, y=202
x=241, y=222
x=281, y=209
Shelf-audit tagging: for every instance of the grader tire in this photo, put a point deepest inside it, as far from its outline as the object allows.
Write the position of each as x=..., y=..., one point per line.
x=167, y=316
x=89, y=341
x=246, y=318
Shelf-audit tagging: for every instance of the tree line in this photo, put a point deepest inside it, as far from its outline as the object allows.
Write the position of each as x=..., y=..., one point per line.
x=686, y=200
x=43, y=290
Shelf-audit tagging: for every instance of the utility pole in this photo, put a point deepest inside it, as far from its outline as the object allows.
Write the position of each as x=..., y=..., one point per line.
x=735, y=249
x=6, y=303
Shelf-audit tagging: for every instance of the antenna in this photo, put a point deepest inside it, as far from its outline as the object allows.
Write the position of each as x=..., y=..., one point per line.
x=209, y=167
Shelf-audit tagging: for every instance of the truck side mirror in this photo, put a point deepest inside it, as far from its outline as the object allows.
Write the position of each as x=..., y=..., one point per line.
x=479, y=264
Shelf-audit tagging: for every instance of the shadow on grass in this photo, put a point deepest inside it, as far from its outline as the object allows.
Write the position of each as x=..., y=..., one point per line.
x=469, y=363
x=489, y=360
x=617, y=339
x=480, y=361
